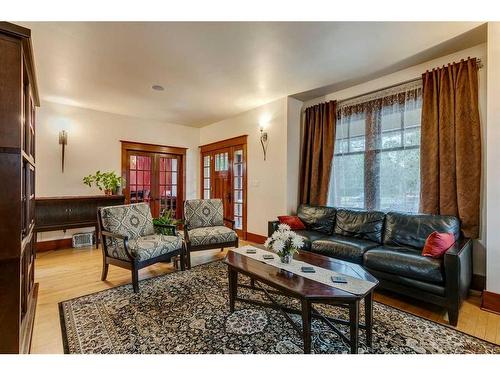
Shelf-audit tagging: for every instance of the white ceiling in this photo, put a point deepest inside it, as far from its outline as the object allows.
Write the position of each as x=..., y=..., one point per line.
x=216, y=70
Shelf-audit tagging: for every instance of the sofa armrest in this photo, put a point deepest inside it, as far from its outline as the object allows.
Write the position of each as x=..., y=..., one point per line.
x=272, y=226
x=117, y=237
x=458, y=271
x=231, y=221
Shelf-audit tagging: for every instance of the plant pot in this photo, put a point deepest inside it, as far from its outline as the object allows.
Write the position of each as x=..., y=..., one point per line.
x=286, y=258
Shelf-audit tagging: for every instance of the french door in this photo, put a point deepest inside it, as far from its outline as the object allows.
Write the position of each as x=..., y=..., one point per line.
x=155, y=175
x=223, y=175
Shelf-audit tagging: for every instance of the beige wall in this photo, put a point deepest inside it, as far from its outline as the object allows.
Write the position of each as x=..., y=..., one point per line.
x=492, y=159
x=271, y=183
x=94, y=144
x=414, y=72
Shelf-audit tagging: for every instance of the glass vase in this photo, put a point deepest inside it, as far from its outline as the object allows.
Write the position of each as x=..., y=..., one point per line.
x=286, y=258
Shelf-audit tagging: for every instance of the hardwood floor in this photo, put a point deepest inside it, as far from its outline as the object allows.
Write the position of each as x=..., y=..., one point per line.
x=69, y=273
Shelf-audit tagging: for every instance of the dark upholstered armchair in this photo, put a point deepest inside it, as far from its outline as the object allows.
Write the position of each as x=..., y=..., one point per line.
x=128, y=240
x=204, y=227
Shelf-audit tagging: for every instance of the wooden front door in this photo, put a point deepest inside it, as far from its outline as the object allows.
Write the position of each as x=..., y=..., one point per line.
x=223, y=176
x=155, y=175
x=222, y=187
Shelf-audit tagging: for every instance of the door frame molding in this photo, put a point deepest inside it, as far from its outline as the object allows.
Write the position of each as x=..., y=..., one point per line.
x=157, y=149
x=240, y=141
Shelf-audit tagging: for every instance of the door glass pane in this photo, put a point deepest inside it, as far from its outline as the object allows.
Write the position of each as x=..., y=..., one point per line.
x=168, y=184
x=238, y=188
x=140, y=178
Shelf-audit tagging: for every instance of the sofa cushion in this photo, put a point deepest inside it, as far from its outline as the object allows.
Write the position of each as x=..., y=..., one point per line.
x=145, y=247
x=211, y=235
x=309, y=236
x=342, y=247
x=411, y=230
x=148, y=247
x=406, y=262
x=366, y=225
x=318, y=218
x=131, y=220
x=199, y=213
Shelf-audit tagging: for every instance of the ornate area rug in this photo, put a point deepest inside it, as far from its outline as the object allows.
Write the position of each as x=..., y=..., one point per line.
x=187, y=312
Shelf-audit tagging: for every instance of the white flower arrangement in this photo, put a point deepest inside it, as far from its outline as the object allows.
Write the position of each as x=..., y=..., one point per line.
x=284, y=241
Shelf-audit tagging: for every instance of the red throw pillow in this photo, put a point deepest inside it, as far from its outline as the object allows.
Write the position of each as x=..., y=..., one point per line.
x=437, y=244
x=293, y=221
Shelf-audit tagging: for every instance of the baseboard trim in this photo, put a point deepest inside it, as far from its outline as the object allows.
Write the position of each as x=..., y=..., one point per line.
x=491, y=302
x=478, y=282
x=257, y=238
x=62, y=243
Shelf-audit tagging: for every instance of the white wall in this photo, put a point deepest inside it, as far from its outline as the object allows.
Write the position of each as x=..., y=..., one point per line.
x=492, y=159
x=94, y=144
x=270, y=192
x=479, y=51
x=294, y=108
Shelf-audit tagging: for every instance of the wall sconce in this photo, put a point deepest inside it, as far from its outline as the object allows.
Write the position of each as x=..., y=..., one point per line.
x=263, y=141
x=63, y=141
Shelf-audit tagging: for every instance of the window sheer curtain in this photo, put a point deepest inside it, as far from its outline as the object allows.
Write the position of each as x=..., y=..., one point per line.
x=376, y=162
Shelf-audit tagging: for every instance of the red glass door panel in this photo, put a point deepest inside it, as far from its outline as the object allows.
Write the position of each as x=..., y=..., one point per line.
x=140, y=173
x=169, y=184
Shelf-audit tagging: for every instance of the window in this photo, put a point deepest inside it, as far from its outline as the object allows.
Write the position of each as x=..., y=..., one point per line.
x=376, y=163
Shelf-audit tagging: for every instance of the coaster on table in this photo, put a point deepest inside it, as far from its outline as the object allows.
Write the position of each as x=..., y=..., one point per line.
x=268, y=256
x=339, y=279
x=251, y=251
x=307, y=269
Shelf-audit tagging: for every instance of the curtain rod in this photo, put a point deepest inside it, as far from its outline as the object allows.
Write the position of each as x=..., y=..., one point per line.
x=479, y=66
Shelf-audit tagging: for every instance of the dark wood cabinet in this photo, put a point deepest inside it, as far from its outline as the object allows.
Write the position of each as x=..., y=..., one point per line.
x=18, y=99
x=59, y=213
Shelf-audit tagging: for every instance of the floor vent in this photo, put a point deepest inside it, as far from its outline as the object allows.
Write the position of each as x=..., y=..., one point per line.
x=83, y=239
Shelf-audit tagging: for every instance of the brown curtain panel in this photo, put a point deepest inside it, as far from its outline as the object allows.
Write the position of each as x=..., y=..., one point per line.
x=450, y=159
x=317, y=153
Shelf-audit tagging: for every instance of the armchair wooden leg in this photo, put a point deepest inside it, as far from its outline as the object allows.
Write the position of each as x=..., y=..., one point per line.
x=135, y=279
x=188, y=258
x=182, y=258
x=221, y=249
x=105, y=267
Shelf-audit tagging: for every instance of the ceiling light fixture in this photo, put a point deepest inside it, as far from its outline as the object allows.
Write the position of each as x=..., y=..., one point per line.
x=158, y=87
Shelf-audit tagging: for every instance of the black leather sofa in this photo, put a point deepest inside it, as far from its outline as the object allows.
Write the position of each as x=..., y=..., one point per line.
x=389, y=246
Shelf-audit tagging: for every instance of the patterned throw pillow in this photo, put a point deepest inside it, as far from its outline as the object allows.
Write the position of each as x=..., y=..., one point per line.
x=132, y=220
x=200, y=213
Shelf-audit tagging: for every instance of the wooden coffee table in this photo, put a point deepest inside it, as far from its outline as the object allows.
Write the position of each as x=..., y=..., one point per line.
x=308, y=291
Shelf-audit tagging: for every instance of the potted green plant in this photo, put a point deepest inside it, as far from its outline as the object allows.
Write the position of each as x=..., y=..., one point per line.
x=166, y=218
x=107, y=181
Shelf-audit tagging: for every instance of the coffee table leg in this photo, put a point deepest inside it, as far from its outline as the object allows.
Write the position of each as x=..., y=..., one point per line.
x=306, y=325
x=369, y=318
x=354, y=326
x=233, y=287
